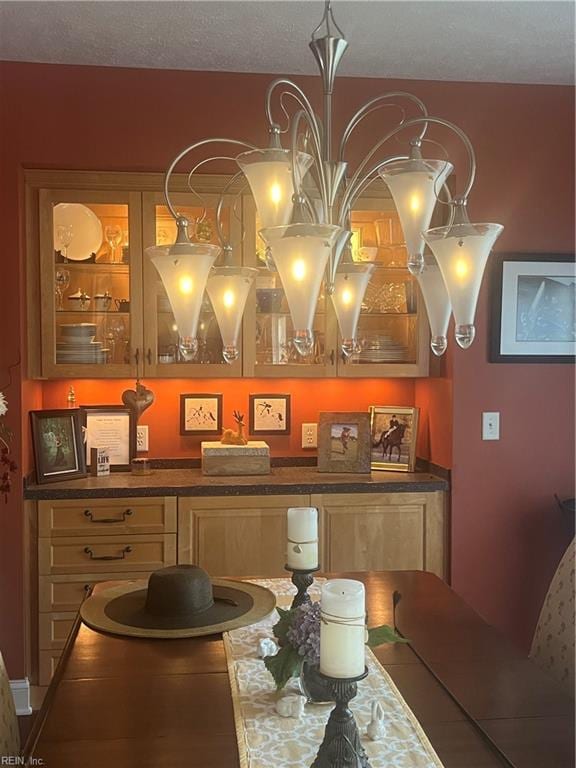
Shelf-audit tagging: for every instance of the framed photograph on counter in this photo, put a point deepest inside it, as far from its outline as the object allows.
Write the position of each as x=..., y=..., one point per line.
x=112, y=427
x=269, y=415
x=533, y=308
x=344, y=442
x=393, y=432
x=57, y=441
x=201, y=414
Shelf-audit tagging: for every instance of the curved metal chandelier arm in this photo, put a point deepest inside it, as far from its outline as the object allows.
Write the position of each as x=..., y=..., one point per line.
x=348, y=199
x=380, y=102
x=317, y=146
x=302, y=100
x=223, y=239
x=183, y=154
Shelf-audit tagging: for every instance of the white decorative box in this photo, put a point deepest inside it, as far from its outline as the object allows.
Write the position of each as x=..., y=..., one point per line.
x=227, y=460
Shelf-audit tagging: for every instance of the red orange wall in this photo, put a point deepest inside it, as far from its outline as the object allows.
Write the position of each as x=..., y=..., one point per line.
x=524, y=139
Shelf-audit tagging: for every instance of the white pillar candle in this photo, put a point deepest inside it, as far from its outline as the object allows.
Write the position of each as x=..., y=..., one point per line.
x=302, y=553
x=342, y=628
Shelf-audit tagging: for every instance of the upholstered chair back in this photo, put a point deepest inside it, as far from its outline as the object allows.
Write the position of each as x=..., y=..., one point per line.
x=9, y=734
x=553, y=644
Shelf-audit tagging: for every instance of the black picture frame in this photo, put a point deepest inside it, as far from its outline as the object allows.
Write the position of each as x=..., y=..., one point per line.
x=502, y=302
x=212, y=419
x=86, y=410
x=58, y=446
x=256, y=417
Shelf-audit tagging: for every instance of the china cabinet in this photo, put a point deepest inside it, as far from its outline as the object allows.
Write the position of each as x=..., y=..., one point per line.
x=97, y=308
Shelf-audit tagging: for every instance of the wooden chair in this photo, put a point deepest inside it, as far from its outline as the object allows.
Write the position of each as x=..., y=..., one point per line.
x=9, y=734
x=553, y=643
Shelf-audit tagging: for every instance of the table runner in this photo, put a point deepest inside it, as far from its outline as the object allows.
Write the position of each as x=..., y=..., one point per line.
x=266, y=739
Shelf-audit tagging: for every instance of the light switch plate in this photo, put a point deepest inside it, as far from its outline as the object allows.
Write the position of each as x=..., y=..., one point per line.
x=490, y=425
x=142, y=439
x=309, y=435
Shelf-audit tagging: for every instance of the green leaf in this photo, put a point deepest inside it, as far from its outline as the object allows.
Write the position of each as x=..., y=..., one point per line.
x=281, y=627
x=283, y=665
x=384, y=634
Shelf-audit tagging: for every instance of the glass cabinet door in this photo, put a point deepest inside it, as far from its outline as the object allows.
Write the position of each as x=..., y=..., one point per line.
x=392, y=331
x=90, y=255
x=268, y=330
x=162, y=355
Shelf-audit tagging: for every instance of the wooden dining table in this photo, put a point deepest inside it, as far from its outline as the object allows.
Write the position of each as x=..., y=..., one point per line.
x=120, y=702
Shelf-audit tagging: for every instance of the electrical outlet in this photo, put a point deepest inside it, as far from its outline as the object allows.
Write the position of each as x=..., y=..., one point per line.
x=142, y=439
x=491, y=425
x=309, y=435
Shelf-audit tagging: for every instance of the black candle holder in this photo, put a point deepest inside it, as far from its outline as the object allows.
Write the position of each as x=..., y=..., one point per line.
x=302, y=580
x=341, y=746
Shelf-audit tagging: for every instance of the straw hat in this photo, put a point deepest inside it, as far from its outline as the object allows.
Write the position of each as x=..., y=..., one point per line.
x=179, y=601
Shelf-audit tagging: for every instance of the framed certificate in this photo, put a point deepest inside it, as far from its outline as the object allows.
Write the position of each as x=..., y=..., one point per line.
x=112, y=427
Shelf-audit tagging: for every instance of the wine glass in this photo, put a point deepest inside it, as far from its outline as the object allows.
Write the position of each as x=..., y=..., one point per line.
x=113, y=234
x=64, y=235
x=62, y=281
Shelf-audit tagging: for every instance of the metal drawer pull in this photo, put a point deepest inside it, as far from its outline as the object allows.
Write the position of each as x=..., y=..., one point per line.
x=121, y=556
x=125, y=514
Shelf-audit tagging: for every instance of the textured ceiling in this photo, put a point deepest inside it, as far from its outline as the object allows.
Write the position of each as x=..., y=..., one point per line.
x=495, y=40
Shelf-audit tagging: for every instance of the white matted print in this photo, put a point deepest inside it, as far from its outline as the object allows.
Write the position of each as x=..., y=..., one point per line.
x=269, y=414
x=200, y=414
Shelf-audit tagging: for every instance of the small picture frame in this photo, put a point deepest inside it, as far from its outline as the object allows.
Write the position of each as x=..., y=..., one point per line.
x=344, y=442
x=112, y=427
x=57, y=441
x=393, y=433
x=269, y=415
x=201, y=414
x=533, y=308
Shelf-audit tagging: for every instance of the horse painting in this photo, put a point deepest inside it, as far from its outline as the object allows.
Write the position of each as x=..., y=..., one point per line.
x=390, y=439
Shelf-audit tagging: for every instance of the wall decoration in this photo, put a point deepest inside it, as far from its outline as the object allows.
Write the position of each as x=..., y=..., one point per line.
x=201, y=414
x=344, y=442
x=269, y=415
x=393, y=432
x=533, y=309
x=112, y=427
x=58, y=448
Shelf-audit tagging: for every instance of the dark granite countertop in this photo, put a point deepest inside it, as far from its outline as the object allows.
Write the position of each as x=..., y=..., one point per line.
x=191, y=482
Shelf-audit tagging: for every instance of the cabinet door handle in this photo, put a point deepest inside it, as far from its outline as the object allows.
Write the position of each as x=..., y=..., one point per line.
x=149, y=356
x=332, y=357
x=89, y=514
x=121, y=556
x=137, y=355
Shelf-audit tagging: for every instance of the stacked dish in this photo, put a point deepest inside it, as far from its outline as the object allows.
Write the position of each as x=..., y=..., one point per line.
x=377, y=348
x=77, y=345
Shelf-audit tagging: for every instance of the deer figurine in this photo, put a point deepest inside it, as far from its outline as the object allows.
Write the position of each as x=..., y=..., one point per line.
x=229, y=437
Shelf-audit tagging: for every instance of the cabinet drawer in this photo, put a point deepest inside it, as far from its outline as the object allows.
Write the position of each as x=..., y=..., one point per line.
x=105, y=517
x=66, y=593
x=47, y=663
x=53, y=630
x=83, y=554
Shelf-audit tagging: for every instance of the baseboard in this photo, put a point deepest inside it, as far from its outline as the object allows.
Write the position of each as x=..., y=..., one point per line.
x=21, y=694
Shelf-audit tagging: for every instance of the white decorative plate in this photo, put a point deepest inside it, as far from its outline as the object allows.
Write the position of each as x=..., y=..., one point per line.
x=86, y=226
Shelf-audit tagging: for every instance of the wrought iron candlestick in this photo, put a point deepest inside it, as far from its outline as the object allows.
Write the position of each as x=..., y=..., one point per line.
x=302, y=580
x=341, y=747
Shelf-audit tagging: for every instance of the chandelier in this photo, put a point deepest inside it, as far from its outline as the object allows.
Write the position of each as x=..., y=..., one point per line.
x=304, y=196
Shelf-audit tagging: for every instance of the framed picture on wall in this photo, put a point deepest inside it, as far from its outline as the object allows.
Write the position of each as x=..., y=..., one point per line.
x=201, y=414
x=393, y=432
x=533, y=309
x=57, y=442
x=269, y=415
x=344, y=442
x=112, y=427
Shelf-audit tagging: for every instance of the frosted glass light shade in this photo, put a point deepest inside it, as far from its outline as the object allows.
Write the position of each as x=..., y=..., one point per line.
x=301, y=253
x=184, y=269
x=437, y=304
x=228, y=289
x=269, y=174
x=414, y=185
x=462, y=251
x=349, y=288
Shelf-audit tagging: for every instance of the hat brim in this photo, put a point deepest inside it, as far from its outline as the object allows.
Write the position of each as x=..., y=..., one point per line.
x=120, y=610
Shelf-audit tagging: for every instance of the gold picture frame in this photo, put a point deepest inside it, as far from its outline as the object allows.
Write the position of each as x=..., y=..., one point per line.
x=393, y=434
x=344, y=442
